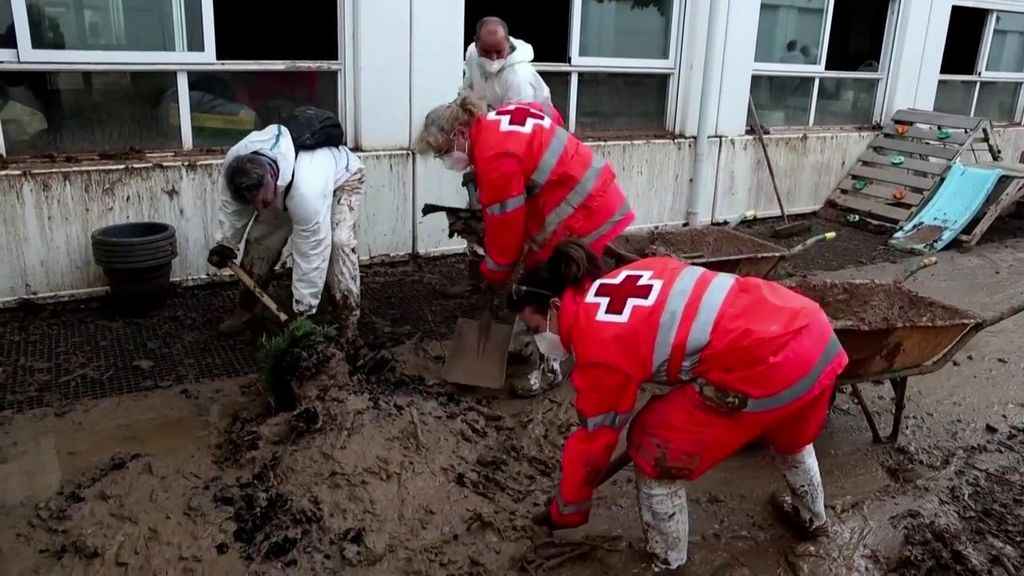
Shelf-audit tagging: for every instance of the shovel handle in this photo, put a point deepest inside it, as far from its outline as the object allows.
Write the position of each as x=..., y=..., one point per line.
x=924, y=263
x=248, y=282
x=826, y=237
x=748, y=215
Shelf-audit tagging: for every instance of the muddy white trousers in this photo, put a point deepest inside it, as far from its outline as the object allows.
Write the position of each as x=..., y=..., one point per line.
x=269, y=235
x=665, y=518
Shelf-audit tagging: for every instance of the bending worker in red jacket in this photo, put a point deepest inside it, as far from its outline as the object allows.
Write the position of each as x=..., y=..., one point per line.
x=752, y=360
x=538, y=186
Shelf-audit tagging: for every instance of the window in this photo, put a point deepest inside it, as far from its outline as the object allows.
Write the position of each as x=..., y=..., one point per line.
x=982, y=65
x=821, y=62
x=609, y=63
x=140, y=75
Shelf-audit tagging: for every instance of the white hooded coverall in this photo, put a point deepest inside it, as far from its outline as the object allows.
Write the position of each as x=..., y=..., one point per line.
x=318, y=212
x=517, y=81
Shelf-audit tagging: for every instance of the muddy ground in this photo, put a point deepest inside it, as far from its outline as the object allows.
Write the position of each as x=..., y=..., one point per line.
x=387, y=471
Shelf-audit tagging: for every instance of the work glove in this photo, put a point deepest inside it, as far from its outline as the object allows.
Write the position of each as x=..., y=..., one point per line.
x=220, y=256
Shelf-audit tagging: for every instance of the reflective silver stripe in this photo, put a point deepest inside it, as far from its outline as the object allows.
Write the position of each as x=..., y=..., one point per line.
x=613, y=420
x=506, y=206
x=802, y=386
x=492, y=265
x=570, y=508
x=672, y=315
x=700, y=330
x=572, y=201
x=597, y=234
x=550, y=157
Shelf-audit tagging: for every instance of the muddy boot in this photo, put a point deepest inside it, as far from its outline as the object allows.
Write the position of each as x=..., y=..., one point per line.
x=544, y=377
x=803, y=509
x=795, y=519
x=237, y=322
x=665, y=521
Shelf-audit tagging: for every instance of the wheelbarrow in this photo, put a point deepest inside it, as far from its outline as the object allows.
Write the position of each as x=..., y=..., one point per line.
x=718, y=248
x=890, y=334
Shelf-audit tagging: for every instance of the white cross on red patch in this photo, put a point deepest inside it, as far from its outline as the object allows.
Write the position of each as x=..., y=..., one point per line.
x=519, y=119
x=617, y=297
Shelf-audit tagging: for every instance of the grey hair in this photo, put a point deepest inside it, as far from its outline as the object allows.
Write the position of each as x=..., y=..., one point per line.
x=244, y=176
x=491, y=20
x=444, y=120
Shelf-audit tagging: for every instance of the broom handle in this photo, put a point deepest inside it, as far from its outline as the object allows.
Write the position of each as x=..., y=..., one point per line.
x=246, y=280
x=767, y=159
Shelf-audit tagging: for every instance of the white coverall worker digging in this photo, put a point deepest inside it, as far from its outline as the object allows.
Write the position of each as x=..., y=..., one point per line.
x=316, y=206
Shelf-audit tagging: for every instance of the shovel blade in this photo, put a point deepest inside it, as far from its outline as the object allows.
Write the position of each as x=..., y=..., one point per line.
x=466, y=364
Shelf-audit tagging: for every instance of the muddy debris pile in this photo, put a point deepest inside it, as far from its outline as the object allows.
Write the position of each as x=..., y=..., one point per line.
x=377, y=472
x=978, y=528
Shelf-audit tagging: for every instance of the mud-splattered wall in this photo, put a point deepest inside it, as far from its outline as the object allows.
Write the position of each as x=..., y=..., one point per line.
x=46, y=216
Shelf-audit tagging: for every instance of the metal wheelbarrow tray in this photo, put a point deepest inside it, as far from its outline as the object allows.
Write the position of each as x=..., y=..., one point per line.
x=717, y=248
x=891, y=333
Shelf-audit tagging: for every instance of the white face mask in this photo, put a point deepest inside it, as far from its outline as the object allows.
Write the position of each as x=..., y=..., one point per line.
x=492, y=66
x=550, y=344
x=457, y=160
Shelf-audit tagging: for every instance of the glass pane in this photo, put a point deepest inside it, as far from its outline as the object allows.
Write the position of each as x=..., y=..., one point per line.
x=790, y=32
x=963, y=40
x=626, y=28
x=1007, y=52
x=549, y=35
x=954, y=97
x=135, y=25
x=75, y=112
x=7, y=39
x=845, y=102
x=625, y=104
x=559, y=84
x=997, y=101
x=782, y=101
x=857, y=35
x=228, y=105
x=297, y=30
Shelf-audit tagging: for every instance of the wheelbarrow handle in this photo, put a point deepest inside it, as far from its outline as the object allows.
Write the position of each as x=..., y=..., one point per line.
x=826, y=237
x=921, y=265
x=1006, y=314
x=748, y=215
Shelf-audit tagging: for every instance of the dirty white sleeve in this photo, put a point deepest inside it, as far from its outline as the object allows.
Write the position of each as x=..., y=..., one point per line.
x=309, y=205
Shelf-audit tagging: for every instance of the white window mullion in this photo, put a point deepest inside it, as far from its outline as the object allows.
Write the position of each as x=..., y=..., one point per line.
x=574, y=85
x=575, y=23
x=209, y=33
x=178, y=18
x=886, y=61
x=825, y=35
x=184, y=110
x=814, y=102
x=986, y=44
x=1018, y=112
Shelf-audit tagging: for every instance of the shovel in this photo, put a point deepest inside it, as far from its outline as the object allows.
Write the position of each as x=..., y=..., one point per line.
x=249, y=283
x=479, y=350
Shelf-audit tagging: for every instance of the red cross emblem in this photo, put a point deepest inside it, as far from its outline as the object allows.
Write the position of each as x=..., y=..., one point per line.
x=617, y=297
x=519, y=119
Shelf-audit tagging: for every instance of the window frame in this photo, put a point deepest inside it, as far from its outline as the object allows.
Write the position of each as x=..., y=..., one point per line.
x=27, y=53
x=576, y=39
x=817, y=72
x=12, y=60
x=981, y=74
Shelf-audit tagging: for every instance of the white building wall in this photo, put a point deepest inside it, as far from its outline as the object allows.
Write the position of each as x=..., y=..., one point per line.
x=403, y=58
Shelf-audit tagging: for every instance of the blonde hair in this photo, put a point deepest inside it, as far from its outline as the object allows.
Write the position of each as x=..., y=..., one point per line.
x=441, y=122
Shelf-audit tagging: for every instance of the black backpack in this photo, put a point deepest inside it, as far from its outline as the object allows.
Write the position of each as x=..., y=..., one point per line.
x=313, y=128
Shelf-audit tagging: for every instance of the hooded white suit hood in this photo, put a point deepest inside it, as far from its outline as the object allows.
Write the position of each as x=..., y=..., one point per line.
x=517, y=81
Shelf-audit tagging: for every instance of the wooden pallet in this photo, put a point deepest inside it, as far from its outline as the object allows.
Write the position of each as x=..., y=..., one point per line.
x=907, y=162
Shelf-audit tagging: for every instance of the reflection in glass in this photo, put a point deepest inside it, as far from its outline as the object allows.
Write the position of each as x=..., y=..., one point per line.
x=782, y=101
x=997, y=101
x=133, y=25
x=845, y=102
x=614, y=103
x=954, y=97
x=790, y=32
x=626, y=28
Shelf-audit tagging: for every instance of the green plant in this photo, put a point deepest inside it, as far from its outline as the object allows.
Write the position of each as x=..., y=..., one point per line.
x=283, y=358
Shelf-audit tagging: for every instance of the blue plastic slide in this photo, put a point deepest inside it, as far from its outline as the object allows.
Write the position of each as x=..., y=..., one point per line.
x=951, y=208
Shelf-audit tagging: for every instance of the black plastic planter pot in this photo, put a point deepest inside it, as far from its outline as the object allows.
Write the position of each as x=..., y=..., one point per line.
x=136, y=259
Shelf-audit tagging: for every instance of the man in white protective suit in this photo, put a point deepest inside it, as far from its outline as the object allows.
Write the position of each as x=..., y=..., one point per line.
x=292, y=186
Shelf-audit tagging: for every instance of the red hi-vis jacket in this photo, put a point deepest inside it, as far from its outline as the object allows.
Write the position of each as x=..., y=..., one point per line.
x=660, y=319
x=539, y=185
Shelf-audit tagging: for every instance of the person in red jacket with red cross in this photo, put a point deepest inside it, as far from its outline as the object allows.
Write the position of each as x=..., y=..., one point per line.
x=746, y=359
x=538, y=185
